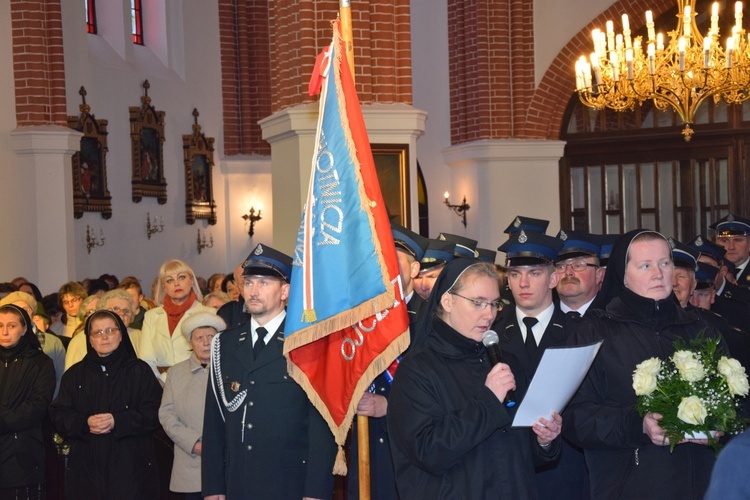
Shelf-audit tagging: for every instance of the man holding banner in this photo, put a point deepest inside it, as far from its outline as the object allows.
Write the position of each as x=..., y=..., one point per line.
x=262, y=438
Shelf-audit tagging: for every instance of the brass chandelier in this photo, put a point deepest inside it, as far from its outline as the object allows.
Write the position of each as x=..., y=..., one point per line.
x=624, y=71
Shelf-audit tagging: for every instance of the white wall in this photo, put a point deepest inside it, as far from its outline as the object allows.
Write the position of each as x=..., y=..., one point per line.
x=181, y=60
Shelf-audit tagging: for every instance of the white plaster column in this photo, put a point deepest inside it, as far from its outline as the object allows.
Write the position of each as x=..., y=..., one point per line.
x=502, y=179
x=45, y=151
x=291, y=133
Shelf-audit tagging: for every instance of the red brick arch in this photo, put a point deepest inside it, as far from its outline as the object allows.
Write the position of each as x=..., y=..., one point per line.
x=545, y=113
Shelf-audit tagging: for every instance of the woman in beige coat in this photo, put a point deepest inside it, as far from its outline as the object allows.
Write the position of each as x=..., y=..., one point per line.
x=161, y=344
x=183, y=402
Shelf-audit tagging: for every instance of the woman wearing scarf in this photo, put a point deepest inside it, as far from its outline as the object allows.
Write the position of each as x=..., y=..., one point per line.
x=27, y=381
x=627, y=455
x=107, y=408
x=449, y=431
x=161, y=344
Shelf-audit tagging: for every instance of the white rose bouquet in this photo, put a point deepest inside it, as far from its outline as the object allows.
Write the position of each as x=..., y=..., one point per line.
x=696, y=390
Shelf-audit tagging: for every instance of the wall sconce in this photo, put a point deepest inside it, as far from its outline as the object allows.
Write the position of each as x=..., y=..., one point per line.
x=91, y=239
x=252, y=218
x=459, y=209
x=157, y=226
x=202, y=241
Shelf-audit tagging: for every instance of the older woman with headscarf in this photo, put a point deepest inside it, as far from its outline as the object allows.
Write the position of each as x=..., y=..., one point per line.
x=449, y=431
x=161, y=344
x=27, y=381
x=107, y=409
x=183, y=402
x=628, y=455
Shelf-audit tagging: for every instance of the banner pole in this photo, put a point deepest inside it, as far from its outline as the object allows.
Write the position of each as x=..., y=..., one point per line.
x=345, y=13
x=363, y=424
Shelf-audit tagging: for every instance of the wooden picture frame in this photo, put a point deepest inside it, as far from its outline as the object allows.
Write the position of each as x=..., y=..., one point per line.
x=392, y=166
x=199, y=161
x=147, y=146
x=90, y=192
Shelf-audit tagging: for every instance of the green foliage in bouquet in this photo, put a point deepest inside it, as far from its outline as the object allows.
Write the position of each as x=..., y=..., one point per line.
x=696, y=390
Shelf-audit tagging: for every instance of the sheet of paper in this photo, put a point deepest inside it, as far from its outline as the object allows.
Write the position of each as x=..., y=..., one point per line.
x=560, y=372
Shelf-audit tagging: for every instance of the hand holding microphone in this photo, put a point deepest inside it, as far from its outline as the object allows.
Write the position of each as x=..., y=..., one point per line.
x=492, y=342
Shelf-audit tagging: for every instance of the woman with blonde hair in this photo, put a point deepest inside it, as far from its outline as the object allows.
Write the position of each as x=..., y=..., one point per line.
x=161, y=345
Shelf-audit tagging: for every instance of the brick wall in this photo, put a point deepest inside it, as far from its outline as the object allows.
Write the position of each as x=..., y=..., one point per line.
x=38, y=62
x=266, y=63
x=491, y=58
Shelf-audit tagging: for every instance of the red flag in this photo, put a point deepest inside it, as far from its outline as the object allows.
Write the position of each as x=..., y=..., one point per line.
x=347, y=319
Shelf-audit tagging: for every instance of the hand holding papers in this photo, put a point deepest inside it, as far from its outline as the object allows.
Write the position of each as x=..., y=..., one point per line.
x=560, y=372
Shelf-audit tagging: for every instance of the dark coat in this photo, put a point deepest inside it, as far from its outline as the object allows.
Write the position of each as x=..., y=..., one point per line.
x=602, y=418
x=565, y=478
x=122, y=463
x=450, y=436
x=274, y=443
x=743, y=279
x=27, y=381
x=382, y=479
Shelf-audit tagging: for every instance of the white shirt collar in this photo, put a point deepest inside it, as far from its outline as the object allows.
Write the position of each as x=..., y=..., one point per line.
x=271, y=326
x=543, y=319
x=581, y=310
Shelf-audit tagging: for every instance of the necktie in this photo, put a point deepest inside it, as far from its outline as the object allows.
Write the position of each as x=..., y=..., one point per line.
x=260, y=343
x=530, y=341
x=573, y=314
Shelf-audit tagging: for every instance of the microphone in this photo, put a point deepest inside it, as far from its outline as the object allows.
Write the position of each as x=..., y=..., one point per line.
x=492, y=342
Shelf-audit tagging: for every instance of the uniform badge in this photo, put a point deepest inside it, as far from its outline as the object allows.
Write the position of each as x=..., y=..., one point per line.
x=671, y=243
x=563, y=235
x=522, y=238
x=699, y=241
x=441, y=237
x=235, y=386
x=730, y=218
x=258, y=250
x=517, y=222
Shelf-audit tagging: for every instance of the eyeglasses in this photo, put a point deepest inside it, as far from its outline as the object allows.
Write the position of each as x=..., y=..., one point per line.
x=479, y=304
x=106, y=331
x=117, y=310
x=71, y=301
x=576, y=266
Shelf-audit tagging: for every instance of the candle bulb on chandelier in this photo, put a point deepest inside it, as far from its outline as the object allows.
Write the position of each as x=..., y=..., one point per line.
x=651, y=58
x=730, y=51
x=659, y=41
x=595, y=37
x=686, y=19
x=715, y=18
x=650, y=25
x=629, y=62
x=681, y=50
x=610, y=35
x=595, y=67
x=615, y=66
x=738, y=15
x=626, y=31
x=618, y=42
x=706, y=51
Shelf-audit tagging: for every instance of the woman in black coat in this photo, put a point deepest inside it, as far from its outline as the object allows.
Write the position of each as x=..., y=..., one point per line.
x=27, y=381
x=628, y=455
x=449, y=432
x=108, y=409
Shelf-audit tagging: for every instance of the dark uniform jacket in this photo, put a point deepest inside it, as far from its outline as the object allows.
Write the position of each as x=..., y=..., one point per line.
x=602, y=418
x=122, y=463
x=382, y=480
x=27, y=381
x=450, y=436
x=743, y=279
x=565, y=478
x=262, y=438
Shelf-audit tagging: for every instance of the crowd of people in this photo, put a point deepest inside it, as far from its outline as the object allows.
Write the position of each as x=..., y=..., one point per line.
x=106, y=367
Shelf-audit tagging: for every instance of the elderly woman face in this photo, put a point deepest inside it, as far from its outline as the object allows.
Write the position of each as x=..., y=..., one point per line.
x=649, y=270
x=11, y=329
x=200, y=342
x=177, y=286
x=105, y=336
x=71, y=303
x=471, y=309
x=122, y=308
